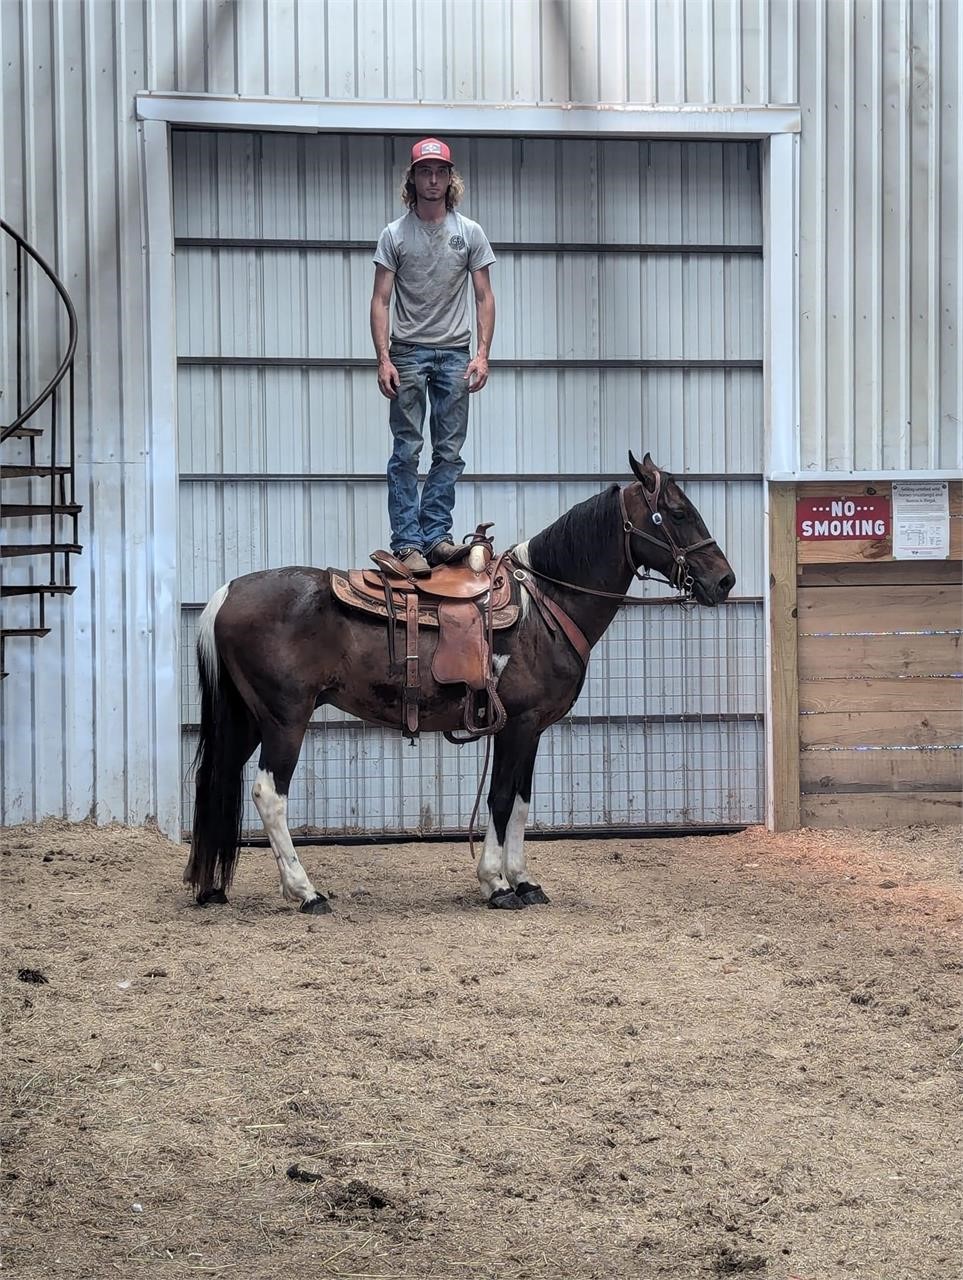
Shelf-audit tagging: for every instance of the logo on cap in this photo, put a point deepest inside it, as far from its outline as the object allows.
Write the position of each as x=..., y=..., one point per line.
x=430, y=149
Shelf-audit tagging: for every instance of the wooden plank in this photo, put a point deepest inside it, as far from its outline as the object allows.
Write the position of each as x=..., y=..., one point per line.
x=881, y=695
x=881, y=810
x=783, y=632
x=928, y=607
x=872, y=551
x=838, y=771
x=886, y=656
x=885, y=573
x=881, y=729
x=866, y=550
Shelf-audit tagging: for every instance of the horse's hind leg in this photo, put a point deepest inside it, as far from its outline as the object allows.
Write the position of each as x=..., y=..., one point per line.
x=280, y=749
x=502, y=870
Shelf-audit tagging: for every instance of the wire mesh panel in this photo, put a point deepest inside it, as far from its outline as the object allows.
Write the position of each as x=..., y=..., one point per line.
x=631, y=753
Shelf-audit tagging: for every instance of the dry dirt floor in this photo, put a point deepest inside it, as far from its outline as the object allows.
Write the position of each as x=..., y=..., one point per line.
x=719, y=1056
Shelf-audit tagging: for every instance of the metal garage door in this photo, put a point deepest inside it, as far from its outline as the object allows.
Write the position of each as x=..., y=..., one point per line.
x=629, y=294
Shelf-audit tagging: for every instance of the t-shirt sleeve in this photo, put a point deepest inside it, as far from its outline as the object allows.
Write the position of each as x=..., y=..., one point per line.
x=385, y=254
x=479, y=250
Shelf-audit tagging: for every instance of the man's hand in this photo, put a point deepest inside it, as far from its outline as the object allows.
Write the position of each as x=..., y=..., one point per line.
x=389, y=380
x=477, y=373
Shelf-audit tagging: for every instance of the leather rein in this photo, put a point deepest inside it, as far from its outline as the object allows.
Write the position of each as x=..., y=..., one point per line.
x=681, y=578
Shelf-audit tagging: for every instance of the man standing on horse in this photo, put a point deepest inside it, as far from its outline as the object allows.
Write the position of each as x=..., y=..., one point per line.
x=426, y=258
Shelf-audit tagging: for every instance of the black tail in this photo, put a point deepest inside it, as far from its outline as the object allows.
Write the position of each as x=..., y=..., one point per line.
x=224, y=748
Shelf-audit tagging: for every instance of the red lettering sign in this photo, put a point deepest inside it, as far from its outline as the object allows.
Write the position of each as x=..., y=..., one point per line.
x=842, y=519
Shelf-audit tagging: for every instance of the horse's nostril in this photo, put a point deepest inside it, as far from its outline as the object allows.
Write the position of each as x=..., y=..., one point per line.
x=726, y=583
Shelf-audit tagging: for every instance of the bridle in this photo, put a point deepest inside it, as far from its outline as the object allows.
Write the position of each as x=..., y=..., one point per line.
x=681, y=578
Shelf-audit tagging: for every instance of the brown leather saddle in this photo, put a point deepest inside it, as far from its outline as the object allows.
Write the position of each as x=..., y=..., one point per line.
x=464, y=605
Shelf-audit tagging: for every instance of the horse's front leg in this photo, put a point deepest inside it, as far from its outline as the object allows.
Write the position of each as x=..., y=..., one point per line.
x=279, y=755
x=502, y=870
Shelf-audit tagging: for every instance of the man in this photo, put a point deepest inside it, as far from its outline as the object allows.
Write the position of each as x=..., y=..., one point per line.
x=426, y=258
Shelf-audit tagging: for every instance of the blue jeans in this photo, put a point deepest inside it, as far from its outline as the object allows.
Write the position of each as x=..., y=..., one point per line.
x=436, y=374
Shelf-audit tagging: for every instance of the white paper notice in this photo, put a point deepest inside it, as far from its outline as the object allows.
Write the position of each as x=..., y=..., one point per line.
x=921, y=520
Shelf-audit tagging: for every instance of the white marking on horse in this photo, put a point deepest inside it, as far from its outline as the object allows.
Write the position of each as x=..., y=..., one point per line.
x=273, y=808
x=206, y=647
x=521, y=555
x=502, y=866
x=490, y=874
x=515, y=868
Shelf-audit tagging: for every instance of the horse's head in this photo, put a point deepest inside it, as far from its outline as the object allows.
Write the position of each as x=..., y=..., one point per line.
x=665, y=533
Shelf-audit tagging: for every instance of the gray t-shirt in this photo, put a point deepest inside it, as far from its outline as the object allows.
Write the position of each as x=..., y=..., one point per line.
x=432, y=262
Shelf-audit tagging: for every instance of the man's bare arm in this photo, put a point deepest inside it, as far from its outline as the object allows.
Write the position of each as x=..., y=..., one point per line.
x=477, y=371
x=384, y=283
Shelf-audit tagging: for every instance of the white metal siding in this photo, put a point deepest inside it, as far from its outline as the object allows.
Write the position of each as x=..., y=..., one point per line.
x=881, y=253
x=881, y=259
x=479, y=50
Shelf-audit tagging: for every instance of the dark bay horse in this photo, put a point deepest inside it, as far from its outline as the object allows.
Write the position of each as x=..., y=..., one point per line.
x=273, y=646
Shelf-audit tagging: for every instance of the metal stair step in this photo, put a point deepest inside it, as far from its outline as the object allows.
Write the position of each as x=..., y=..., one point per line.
x=41, y=549
x=40, y=509
x=18, y=472
x=24, y=631
x=38, y=589
x=25, y=433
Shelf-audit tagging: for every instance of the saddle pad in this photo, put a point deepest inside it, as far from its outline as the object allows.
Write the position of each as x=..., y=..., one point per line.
x=344, y=588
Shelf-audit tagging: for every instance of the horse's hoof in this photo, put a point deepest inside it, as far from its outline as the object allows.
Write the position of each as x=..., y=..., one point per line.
x=212, y=898
x=532, y=894
x=505, y=900
x=318, y=906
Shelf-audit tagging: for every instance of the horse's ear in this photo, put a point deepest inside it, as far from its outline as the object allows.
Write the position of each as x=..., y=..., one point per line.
x=644, y=471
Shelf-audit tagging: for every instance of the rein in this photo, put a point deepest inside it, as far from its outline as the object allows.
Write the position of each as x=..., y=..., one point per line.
x=555, y=617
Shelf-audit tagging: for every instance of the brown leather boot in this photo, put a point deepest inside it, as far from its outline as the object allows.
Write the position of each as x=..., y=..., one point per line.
x=448, y=552
x=414, y=562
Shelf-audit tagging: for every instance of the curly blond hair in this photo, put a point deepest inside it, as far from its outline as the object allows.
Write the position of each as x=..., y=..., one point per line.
x=456, y=188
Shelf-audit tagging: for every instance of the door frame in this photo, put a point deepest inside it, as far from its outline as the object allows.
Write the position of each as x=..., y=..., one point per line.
x=776, y=128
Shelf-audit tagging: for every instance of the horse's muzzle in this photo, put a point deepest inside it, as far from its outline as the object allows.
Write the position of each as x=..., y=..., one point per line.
x=713, y=593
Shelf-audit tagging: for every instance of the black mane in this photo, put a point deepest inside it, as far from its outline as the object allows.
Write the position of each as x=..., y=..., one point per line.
x=569, y=549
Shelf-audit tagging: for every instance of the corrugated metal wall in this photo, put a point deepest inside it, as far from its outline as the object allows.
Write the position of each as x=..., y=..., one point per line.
x=880, y=256
x=881, y=252
x=652, y=254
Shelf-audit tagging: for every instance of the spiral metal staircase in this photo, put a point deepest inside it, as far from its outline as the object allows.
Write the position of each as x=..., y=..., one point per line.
x=38, y=511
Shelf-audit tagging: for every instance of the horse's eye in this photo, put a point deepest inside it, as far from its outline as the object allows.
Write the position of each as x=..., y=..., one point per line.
x=677, y=516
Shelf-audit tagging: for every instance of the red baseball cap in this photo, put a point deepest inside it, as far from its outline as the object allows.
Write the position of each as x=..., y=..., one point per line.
x=430, y=149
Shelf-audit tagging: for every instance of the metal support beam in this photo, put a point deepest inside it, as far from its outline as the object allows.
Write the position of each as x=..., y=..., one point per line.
x=595, y=120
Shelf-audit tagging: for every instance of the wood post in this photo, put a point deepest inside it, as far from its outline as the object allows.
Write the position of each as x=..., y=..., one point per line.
x=783, y=808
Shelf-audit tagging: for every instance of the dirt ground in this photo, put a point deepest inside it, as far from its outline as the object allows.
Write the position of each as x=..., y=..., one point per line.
x=709, y=1056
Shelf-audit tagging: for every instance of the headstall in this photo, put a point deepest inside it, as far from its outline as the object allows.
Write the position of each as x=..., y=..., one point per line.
x=681, y=578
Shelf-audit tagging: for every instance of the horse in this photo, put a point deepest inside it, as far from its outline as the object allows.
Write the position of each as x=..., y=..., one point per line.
x=275, y=644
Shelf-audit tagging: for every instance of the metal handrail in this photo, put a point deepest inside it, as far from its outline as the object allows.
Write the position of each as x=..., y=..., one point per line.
x=66, y=363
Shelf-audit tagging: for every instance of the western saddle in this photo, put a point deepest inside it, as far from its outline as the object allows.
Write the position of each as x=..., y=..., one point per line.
x=465, y=605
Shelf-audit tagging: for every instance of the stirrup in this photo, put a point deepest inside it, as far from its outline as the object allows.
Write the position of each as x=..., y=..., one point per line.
x=472, y=730
x=389, y=563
